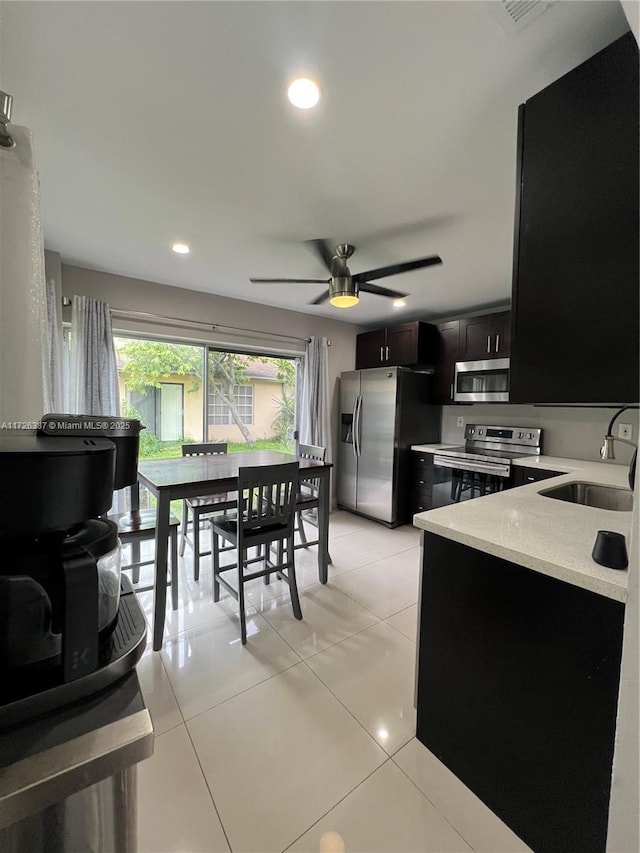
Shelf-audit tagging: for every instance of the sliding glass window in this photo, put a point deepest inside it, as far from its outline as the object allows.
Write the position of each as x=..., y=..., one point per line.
x=249, y=401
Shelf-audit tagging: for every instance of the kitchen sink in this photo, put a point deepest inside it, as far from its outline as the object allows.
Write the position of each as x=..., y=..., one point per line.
x=591, y=494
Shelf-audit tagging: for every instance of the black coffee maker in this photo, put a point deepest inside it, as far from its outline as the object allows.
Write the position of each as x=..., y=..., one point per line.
x=70, y=625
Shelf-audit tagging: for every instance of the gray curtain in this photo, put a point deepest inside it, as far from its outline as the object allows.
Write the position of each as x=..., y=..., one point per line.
x=93, y=388
x=315, y=427
x=55, y=401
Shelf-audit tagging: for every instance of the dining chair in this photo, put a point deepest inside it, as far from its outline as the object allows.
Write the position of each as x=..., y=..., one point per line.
x=202, y=506
x=265, y=517
x=307, y=499
x=139, y=525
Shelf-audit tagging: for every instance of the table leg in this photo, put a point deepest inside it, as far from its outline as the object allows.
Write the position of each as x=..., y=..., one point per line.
x=160, y=585
x=324, y=505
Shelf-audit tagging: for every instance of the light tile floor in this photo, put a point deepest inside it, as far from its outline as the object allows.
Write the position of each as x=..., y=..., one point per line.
x=304, y=739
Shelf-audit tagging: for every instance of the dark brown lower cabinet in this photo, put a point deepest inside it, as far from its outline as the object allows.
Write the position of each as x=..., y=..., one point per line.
x=517, y=692
x=522, y=475
x=421, y=481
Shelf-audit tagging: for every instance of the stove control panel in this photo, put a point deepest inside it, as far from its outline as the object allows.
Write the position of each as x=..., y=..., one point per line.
x=489, y=434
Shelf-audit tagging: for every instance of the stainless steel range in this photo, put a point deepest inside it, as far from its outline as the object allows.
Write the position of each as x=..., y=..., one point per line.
x=482, y=465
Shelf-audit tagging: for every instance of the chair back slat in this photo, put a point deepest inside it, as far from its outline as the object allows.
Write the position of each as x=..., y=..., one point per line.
x=207, y=449
x=269, y=495
x=311, y=451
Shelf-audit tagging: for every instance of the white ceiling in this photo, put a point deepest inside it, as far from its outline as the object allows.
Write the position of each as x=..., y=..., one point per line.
x=164, y=121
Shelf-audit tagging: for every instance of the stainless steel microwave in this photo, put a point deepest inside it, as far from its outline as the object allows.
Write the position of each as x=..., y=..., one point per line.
x=482, y=381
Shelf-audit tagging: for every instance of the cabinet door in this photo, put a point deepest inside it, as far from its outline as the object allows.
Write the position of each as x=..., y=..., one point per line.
x=476, y=338
x=523, y=476
x=402, y=345
x=421, y=481
x=449, y=334
x=575, y=288
x=501, y=334
x=507, y=658
x=371, y=349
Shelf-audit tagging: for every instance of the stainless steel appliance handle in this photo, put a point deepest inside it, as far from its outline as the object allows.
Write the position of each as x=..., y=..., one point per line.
x=475, y=466
x=354, y=421
x=488, y=343
x=497, y=343
x=356, y=431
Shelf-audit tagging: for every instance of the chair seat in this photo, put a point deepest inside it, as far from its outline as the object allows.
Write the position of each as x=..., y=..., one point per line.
x=228, y=528
x=139, y=521
x=216, y=501
x=304, y=500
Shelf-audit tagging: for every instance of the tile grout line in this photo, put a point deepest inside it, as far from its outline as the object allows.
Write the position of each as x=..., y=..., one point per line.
x=204, y=777
x=420, y=791
x=335, y=805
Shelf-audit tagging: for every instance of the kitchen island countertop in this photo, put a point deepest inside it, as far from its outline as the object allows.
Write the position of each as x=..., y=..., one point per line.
x=549, y=536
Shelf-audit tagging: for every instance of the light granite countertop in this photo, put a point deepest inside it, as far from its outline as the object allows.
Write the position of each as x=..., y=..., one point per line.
x=548, y=536
x=432, y=448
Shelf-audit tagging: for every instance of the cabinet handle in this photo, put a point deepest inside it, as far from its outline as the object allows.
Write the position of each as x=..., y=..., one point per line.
x=451, y=392
x=381, y=353
x=497, y=342
x=387, y=353
x=488, y=343
x=531, y=479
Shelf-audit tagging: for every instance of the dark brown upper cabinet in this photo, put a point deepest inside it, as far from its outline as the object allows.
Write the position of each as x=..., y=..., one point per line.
x=405, y=345
x=576, y=262
x=488, y=336
x=448, y=354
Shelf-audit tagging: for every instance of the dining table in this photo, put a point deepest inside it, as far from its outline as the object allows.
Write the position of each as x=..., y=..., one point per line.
x=197, y=476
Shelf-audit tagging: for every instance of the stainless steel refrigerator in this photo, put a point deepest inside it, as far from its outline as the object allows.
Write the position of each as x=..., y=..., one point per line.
x=383, y=411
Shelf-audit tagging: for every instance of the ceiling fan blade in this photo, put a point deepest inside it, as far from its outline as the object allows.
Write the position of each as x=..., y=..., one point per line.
x=323, y=250
x=380, y=291
x=289, y=280
x=320, y=299
x=394, y=269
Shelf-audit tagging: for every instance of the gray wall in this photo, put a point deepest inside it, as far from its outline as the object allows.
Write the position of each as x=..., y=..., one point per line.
x=574, y=432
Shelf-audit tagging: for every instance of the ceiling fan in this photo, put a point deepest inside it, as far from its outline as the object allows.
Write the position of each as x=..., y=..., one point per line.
x=344, y=288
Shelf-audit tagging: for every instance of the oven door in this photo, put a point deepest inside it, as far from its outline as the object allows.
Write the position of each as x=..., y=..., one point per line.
x=482, y=381
x=456, y=480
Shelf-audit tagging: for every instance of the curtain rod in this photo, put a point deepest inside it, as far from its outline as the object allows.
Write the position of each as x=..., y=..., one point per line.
x=155, y=318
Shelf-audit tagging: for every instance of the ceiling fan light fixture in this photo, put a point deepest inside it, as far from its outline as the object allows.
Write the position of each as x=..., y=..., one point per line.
x=303, y=93
x=344, y=300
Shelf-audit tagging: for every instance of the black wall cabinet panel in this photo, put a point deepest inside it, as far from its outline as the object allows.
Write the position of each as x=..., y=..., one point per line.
x=575, y=290
x=517, y=692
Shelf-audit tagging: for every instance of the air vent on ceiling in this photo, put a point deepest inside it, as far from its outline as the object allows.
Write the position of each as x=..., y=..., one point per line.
x=515, y=15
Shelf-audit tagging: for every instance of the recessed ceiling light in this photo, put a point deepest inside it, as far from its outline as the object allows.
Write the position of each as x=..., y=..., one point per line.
x=181, y=248
x=399, y=303
x=303, y=93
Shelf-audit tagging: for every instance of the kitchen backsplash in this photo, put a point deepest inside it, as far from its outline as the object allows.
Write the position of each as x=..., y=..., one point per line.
x=572, y=432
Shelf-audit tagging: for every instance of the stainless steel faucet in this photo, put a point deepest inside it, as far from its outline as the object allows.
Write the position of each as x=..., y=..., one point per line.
x=607, y=450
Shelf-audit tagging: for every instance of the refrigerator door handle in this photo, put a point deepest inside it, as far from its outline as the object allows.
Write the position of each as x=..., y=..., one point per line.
x=354, y=426
x=356, y=429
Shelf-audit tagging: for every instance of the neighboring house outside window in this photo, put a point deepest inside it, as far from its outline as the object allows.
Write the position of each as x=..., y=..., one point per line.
x=219, y=412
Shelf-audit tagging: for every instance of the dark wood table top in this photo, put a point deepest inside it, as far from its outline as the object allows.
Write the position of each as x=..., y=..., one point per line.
x=215, y=468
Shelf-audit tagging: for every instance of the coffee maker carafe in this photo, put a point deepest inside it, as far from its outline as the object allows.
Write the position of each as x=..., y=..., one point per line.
x=69, y=624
